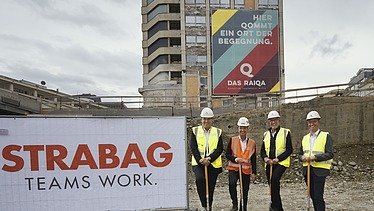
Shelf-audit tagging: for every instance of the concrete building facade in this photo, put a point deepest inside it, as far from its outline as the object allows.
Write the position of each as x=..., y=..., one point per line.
x=362, y=84
x=177, y=51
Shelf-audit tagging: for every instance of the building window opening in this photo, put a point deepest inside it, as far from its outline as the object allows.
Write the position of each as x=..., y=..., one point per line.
x=200, y=2
x=194, y=60
x=163, y=42
x=203, y=102
x=160, y=26
x=201, y=60
x=174, y=8
x=268, y=4
x=149, y=1
x=175, y=42
x=195, y=20
x=176, y=76
x=195, y=40
x=157, y=10
x=175, y=58
x=239, y=4
x=218, y=3
x=162, y=59
x=190, y=1
x=175, y=25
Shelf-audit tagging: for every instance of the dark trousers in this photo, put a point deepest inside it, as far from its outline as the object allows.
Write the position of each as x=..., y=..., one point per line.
x=233, y=179
x=278, y=170
x=200, y=182
x=317, y=188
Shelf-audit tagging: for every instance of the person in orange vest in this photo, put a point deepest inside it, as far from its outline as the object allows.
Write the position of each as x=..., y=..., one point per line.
x=275, y=151
x=316, y=148
x=241, y=150
x=206, y=148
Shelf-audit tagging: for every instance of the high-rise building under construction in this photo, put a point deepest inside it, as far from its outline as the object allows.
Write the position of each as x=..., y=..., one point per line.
x=199, y=52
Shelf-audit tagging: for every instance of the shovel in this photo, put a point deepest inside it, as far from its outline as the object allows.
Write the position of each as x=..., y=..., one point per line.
x=207, y=188
x=241, y=187
x=271, y=175
x=308, y=182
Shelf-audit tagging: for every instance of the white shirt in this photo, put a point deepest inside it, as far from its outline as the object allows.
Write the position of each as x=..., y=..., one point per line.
x=313, y=137
x=243, y=143
x=207, y=133
x=273, y=133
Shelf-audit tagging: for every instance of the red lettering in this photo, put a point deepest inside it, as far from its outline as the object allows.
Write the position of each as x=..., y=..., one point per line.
x=51, y=158
x=107, y=156
x=7, y=155
x=34, y=156
x=133, y=149
x=83, y=149
x=108, y=151
x=166, y=156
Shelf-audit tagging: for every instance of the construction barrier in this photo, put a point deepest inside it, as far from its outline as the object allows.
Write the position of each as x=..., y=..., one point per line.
x=93, y=163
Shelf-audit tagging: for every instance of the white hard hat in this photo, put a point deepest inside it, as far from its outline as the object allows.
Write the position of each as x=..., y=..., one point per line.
x=273, y=114
x=243, y=122
x=207, y=113
x=313, y=115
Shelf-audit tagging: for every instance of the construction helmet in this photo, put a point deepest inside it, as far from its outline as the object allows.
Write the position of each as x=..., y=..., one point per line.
x=243, y=122
x=313, y=115
x=207, y=113
x=273, y=114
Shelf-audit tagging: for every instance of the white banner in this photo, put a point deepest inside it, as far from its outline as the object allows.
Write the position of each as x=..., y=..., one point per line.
x=93, y=163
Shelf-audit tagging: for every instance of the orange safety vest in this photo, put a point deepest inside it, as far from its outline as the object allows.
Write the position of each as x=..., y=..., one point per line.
x=246, y=155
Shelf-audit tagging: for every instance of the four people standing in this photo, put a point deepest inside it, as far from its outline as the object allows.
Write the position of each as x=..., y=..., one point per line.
x=241, y=150
x=207, y=145
x=275, y=151
x=316, y=150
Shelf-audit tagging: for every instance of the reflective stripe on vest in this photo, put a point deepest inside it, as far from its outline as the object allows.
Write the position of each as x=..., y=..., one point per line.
x=214, y=135
x=318, y=148
x=246, y=155
x=280, y=145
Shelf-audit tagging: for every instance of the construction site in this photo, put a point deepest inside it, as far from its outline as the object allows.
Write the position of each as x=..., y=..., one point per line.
x=89, y=152
x=350, y=121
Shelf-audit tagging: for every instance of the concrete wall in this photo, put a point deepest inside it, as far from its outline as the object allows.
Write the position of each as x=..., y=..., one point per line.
x=16, y=103
x=349, y=120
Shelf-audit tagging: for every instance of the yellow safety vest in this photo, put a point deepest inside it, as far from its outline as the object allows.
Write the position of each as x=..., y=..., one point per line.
x=280, y=145
x=318, y=148
x=214, y=135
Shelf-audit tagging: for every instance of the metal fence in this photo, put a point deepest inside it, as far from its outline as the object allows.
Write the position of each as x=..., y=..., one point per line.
x=194, y=103
x=242, y=101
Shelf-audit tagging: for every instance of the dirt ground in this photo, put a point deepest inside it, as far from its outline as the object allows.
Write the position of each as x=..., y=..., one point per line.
x=338, y=196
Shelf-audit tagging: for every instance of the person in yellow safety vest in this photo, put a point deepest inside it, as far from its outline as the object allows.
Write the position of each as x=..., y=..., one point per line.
x=241, y=150
x=316, y=148
x=206, y=146
x=276, y=150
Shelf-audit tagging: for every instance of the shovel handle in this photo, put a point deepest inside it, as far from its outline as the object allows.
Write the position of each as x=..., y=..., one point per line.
x=206, y=187
x=241, y=186
x=271, y=176
x=308, y=182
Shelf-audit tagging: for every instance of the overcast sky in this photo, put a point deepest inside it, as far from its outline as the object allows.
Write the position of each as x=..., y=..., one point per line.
x=94, y=46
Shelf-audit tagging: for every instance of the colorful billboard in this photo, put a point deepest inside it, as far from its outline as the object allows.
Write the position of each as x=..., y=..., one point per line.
x=245, y=52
